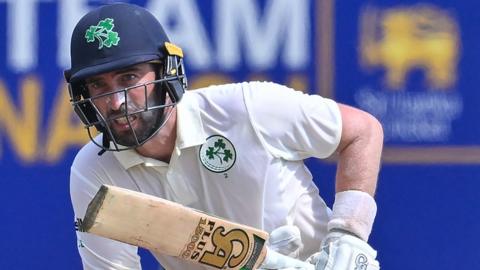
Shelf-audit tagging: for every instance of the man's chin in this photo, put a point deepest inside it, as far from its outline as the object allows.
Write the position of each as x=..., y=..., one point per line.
x=128, y=139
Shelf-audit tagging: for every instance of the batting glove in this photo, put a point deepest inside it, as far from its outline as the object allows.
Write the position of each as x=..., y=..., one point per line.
x=284, y=245
x=343, y=251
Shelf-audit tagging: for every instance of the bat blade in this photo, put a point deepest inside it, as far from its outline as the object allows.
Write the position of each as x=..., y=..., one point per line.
x=170, y=228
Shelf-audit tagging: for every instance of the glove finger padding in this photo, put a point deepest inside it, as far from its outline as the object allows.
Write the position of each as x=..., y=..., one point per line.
x=286, y=240
x=284, y=246
x=346, y=253
x=277, y=261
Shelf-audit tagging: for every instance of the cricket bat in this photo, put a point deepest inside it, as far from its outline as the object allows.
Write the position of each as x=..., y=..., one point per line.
x=170, y=228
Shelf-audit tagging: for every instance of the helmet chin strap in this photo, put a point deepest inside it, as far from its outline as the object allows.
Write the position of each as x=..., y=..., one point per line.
x=105, y=144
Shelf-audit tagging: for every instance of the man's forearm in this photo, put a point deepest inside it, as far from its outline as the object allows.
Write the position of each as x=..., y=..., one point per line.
x=359, y=152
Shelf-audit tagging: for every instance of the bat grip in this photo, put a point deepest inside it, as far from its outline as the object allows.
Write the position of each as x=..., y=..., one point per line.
x=275, y=260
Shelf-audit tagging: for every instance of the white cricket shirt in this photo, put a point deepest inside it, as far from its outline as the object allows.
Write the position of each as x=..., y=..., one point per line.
x=238, y=155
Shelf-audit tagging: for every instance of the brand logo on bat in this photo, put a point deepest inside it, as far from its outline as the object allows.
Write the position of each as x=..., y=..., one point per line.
x=217, y=154
x=78, y=224
x=219, y=247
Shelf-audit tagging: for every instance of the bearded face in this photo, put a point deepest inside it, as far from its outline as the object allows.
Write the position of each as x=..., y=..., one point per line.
x=129, y=103
x=133, y=123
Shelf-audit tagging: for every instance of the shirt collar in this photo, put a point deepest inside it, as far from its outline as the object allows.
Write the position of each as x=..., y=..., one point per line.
x=190, y=133
x=190, y=130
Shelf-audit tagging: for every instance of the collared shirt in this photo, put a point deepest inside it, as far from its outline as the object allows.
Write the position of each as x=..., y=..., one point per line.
x=238, y=154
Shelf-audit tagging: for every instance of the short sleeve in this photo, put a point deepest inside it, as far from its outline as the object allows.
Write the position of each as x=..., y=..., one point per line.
x=293, y=125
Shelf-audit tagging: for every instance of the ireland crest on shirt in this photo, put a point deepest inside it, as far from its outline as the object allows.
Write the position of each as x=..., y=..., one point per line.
x=217, y=154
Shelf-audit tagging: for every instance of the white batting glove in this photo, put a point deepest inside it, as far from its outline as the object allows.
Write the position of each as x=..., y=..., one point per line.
x=286, y=240
x=343, y=251
x=277, y=261
x=284, y=246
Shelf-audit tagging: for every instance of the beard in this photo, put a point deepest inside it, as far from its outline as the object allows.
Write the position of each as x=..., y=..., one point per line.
x=141, y=124
x=142, y=128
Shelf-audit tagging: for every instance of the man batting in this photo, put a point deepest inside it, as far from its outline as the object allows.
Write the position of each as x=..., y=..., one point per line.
x=235, y=151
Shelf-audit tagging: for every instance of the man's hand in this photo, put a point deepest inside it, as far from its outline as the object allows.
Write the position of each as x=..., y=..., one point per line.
x=283, y=248
x=343, y=251
x=286, y=240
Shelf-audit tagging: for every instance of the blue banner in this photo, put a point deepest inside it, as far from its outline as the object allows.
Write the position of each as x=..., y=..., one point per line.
x=414, y=65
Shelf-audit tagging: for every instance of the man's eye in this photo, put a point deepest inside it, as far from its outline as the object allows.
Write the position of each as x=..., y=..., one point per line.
x=95, y=85
x=129, y=77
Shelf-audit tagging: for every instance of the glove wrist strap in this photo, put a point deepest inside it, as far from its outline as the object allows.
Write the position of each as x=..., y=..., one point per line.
x=353, y=211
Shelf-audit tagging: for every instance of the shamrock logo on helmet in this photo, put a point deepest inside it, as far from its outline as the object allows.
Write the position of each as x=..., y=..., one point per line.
x=103, y=33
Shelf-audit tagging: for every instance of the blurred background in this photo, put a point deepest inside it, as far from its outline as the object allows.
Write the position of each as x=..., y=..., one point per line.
x=412, y=64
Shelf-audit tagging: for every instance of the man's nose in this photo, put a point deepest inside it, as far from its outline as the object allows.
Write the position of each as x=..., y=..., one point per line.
x=116, y=101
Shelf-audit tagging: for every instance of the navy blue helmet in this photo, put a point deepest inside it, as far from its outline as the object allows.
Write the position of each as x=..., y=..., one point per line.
x=114, y=37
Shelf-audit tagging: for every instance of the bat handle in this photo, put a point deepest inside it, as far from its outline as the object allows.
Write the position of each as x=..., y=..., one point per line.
x=275, y=260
